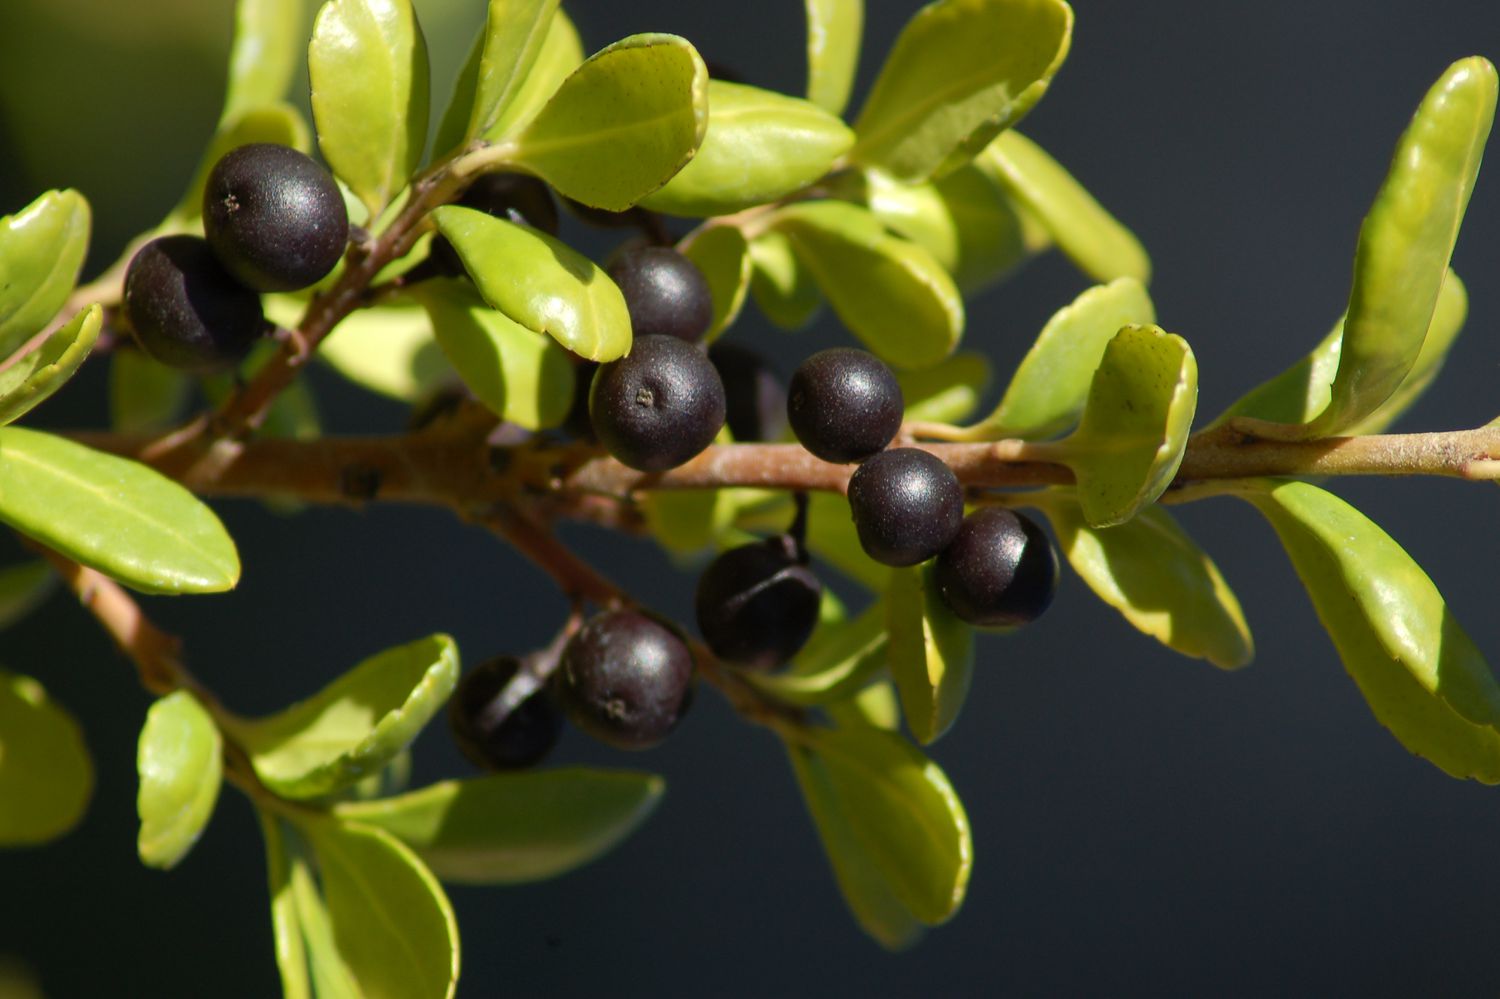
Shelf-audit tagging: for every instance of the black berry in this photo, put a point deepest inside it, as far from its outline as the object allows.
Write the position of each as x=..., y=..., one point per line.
x=757, y=604
x=1000, y=569
x=274, y=217
x=907, y=506
x=659, y=405
x=515, y=197
x=665, y=292
x=495, y=733
x=844, y=404
x=754, y=398
x=185, y=309
x=626, y=679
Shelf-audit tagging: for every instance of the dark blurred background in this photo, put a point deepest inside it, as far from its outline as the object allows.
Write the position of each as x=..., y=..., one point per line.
x=1144, y=824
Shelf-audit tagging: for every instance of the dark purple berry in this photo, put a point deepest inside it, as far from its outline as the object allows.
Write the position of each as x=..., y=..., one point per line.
x=757, y=604
x=844, y=404
x=659, y=405
x=184, y=308
x=275, y=217
x=907, y=505
x=754, y=398
x=665, y=292
x=495, y=731
x=1000, y=569
x=626, y=679
x=514, y=197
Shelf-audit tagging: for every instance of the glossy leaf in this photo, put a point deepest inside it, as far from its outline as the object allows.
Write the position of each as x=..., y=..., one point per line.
x=835, y=663
x=875, y=705
x=144, y=394
x=834, y=31
x=29, y=378
x=390, y=350
x=286, y=922
x=1420, y=672
x=41, y=252
x=947, y=392
x=513, y=828
x=279, y=123
x=46, y=777
x=1447, y=322
x=1157, y=577
x=368, y=64
x=513, y=34
x=1084, y=230
x=889, y=292
x=1406, y=241
x=931, y=654
x=622, y=124
x=525, y=378
x=355, y=725
x=113, y=514
x=180, y=761
x=1135, y=425
x=392, y=924
x=23, y=588
x=960, y=72
x=540, y=282
x=783, y=288
x=759, y=146
x=723, y=255
x=264, y=55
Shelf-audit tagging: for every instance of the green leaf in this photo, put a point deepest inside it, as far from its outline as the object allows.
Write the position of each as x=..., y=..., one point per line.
x=1088, y=234
x=1421, y=674
x=540, y=282
x=833, y=538
x=513, y=828
x=264, y=55
x=330, y=974
x=1135, y=424
x=46, y=778
x=114, y=515
x=960, y=72
x=41, y=252
x=286, y=923
x=368, y=64
x=834, y=31
x=1447, y=322
x=723, y=255
x=392, y=924
x=875, y=705
x=28, y=378
x=783, y=288
x=689, y=520
x=23, y=588
x=889, y=292
x=525, y=378
x=355, y=725
x=931, y=653
x=836, y=662
x=622, y=124
x=180, y=760
x=279, y=123
x=144, y=394
x=760, y=146
x=389, y=349
x=947, y=392
x=1157, y=577
x=514, y=31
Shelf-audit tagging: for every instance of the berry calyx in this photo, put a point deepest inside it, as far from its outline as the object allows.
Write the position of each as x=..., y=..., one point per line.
x=754, y=398
x=657, y=406
x=494, y=732
x=1000, y=569
x=274, y=216
x=844, y=404
x=626, y=679
x=184, y=308
x=757, y=604
x=664, y=291
x=907, y=506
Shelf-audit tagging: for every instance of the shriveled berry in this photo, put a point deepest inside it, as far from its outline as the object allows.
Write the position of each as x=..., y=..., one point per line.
x=184, y=308
x=907, y=505
x=664, y=291
x=274, y=216
x=659, y=405
x=757, y=604
x=844, y=404
x=754, y=398
x=494, y=731
x=1000, y=569
x=626, y=679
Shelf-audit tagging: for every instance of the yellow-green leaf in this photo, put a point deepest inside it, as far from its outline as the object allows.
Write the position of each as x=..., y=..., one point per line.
x=946, y=392
x=41, y=252
x=834, y=31
x=180, y=761
x=783, y=288
x=931, y=653
x=837, y=661
x=264, y=55
x=286, y=922
x=46, y=778
x=23, y=588
x=144, y=394
x=514, y=31
x=389, y=349
x=29, y=378
x=277, y=122
x=723, y=255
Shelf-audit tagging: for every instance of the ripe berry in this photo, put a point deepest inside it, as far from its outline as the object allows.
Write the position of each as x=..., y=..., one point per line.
x=494, y=733
x=275, y=218
x=665, y=292
x=185, y=309
x=754, y=397
x=626, y=679
x=999, y=570
x=907, y=506
x=757, y=604
x=659, y=405
x=844, y=404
